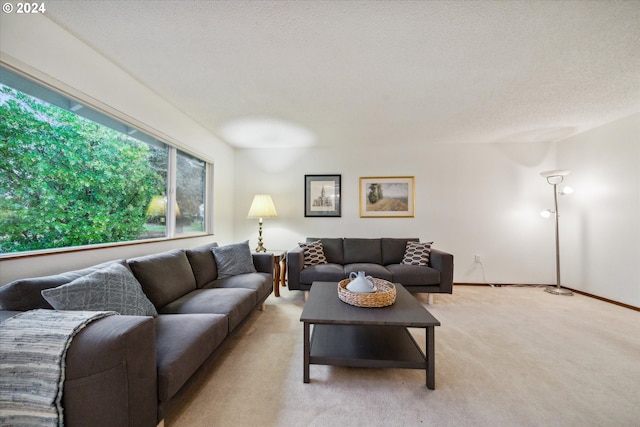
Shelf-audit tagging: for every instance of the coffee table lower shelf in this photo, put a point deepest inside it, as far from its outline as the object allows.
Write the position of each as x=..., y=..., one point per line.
x=364, y=346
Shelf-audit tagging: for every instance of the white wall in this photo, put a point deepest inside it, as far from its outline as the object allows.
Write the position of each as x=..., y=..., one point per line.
x=470, y=199
x=40, y=48
x=600, y=221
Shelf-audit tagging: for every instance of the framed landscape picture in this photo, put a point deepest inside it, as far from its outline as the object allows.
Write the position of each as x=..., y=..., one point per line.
x=387, y=197
x=322, y=195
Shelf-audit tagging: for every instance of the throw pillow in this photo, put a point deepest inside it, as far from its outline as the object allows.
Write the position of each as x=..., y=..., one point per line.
x=313, y=253
x=112, y=288
x=417, y=253
x=233, y=259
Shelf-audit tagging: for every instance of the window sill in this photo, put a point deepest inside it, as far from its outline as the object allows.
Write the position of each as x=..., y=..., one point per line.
x=44, y=252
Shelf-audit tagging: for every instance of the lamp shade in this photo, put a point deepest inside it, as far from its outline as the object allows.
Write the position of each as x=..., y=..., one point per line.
x=556, y=176
x=262, y=207
x=555, y=173
x=158, y=207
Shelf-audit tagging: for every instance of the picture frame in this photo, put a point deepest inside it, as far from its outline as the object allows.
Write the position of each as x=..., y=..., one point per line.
x=322, y=196
x=387, y=197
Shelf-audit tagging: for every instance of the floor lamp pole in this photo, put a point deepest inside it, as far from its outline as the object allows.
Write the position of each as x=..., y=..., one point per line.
x=558, y=289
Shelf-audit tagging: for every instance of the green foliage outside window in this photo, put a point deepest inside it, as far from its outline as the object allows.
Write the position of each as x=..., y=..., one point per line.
x=67, y=181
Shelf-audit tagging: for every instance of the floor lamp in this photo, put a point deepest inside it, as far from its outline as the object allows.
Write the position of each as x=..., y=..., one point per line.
x=262, y=207
x=554, y=178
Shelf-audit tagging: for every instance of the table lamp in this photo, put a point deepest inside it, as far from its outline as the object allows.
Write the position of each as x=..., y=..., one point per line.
x=262, y=207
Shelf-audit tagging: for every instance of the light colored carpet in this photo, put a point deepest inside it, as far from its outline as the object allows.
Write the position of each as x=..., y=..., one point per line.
x=510, y=356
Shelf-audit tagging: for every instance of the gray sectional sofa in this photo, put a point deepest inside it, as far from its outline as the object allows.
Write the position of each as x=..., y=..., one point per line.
x=381, y=258
x=124, y=370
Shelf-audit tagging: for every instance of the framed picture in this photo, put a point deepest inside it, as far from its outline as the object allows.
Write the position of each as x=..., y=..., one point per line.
x=387, y=197
x=322, y=195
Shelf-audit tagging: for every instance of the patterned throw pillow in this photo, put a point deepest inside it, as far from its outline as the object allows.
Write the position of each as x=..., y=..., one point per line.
x=113, y=288
x=233, y=259
x=313, y=253
x=417, y=253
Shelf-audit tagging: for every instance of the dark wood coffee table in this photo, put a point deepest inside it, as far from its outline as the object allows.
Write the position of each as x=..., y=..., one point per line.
x=344, y=335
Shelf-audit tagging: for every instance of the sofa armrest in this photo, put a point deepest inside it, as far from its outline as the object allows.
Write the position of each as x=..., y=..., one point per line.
x=295, y=264
x=263, y=262
x=443, y=262
x=110, y=378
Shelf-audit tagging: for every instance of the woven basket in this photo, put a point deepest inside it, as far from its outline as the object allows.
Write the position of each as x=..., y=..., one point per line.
x=384, y=295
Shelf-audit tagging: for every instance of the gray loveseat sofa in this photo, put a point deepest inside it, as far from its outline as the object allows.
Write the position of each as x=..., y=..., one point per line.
x=125, y=370
x=381, y=258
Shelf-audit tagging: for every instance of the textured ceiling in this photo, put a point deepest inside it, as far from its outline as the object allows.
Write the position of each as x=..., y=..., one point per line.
x=376, y=72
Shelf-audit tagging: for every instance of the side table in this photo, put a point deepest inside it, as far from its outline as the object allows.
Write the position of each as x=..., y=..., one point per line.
x=279, y=269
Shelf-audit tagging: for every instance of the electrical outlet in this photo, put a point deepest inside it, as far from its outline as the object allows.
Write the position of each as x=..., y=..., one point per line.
x=477, y=258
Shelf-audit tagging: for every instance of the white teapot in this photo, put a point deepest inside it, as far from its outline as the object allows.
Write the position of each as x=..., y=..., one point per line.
x=361, y=283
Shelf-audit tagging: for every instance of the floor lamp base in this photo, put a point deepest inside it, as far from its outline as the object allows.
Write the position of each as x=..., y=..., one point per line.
x=557, y=290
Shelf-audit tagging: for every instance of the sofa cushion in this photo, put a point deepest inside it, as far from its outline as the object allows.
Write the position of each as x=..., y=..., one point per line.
x=408, y=275
x=262, y=283
x=313, y=253
x=164, y=277
x=233, y=259
x=183, y=343
x=235, y=303
x=374, y=270
x=322, y=273
x=25, y=294
x=362, y=250
x=203, y=264
x=417, y=253
x=112, y=288
x=393, y=249
x=333, y=249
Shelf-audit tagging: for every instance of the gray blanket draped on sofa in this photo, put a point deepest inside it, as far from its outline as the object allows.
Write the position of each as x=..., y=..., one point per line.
x=33, y=346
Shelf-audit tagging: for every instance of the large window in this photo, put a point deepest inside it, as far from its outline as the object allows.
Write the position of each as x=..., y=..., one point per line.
x=72, y=176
